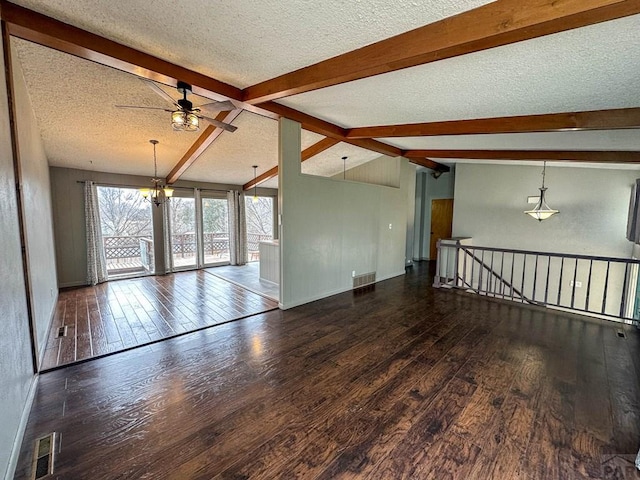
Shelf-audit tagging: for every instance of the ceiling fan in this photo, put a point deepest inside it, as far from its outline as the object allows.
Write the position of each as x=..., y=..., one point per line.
x=184, y=116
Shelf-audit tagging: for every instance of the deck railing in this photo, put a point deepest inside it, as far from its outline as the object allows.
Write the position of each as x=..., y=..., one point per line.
x=595, y=285
x=134, y=252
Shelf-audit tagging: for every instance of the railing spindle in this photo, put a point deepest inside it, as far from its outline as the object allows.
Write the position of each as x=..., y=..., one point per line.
x=501, y=274
x=623, y=296
x=604, y=294
x=491, y=280
x=535, y=279
x=586, y=301
x=546, y=284
x=473, y=254
x=524, y=270
x=560, y=280
x=513, y=261
x=575, y=276
x=464, y=268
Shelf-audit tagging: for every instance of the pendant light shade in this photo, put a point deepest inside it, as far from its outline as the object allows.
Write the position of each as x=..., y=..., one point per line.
x=542, y=211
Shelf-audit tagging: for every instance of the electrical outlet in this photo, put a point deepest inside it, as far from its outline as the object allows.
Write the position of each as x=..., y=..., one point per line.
x=577, y=285
x=390, y=226
x=353, y=273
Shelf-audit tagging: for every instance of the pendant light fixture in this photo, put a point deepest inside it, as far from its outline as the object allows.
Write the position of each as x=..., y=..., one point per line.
x=542, y=211
x=255, y=184
x=158, y=193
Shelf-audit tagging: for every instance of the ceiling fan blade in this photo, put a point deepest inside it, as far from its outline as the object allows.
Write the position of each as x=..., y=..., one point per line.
x=146, y=108
x=161, y=92
x=217, y=123
x=225, y=106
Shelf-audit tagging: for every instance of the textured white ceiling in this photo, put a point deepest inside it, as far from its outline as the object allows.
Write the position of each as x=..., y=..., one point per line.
x=232, y=156
x=74, y=102
x=243, y=42
x=591, y=68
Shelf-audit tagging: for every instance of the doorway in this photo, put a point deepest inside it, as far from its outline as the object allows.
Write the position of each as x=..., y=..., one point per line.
x=127, y=231
x=215, y=231
x=441, y=223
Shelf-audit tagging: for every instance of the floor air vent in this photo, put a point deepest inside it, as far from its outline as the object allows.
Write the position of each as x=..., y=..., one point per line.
x=43, y=456
x=363, y=280
x=62, y=332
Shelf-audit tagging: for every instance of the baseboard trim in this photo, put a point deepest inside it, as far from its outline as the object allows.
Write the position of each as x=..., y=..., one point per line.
x=72, y=284
x=286, y=306
x=52, y=315
x=24, y=418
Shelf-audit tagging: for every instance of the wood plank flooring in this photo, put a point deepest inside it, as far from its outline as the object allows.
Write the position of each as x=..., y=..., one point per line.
x=122, y=314
x=403, y=381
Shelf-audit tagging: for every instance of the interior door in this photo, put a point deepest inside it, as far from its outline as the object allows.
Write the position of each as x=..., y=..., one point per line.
x=441, y=223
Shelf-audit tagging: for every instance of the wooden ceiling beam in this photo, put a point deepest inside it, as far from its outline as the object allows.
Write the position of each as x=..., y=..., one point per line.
x=52, y=33
x=205, y=139
x=498, y=23
x=428, y=163
x=306, y=154
x=551, y=155
x=554, y=122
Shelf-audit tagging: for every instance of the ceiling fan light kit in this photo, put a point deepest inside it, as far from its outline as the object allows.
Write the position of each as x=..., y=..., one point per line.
x=181, y=120
x=184, y=116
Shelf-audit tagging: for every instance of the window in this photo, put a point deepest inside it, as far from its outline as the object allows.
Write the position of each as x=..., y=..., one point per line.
x=260, y=224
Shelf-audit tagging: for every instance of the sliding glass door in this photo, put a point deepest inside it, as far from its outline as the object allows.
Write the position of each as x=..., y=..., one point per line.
x=215, y=230
x=184, y=238
x=127, y=231
x=199, y=229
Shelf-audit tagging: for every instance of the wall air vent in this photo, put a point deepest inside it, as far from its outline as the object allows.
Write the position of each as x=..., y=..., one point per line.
x=363, y=280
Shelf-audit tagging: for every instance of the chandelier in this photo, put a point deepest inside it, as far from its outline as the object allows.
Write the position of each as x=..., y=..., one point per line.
x=158, y=193
x=542, y=211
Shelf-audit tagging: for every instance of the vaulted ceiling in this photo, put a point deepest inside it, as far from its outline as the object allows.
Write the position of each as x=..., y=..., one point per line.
x=447, y=91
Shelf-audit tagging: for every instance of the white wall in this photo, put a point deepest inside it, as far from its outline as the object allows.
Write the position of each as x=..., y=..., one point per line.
x=333, y=227
x=593, y=203
x=16, y=369
x=36, y=192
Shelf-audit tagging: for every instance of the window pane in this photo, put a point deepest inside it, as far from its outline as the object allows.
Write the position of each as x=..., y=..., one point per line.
x=127, y=231
x=259, y=224
x=183, y=232
x=215, y=222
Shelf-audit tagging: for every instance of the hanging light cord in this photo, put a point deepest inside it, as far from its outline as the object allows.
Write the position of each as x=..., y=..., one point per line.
x=544, y=169
x=155, y=161
x=344, y=168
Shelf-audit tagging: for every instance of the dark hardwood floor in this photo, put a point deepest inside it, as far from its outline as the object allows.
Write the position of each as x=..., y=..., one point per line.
x=403, y=381
x=122, y=314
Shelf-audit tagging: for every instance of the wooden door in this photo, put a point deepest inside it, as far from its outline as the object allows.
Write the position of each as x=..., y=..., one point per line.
x=441, y=222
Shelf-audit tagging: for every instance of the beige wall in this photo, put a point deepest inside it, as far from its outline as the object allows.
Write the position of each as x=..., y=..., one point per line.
x=331, y=228
x=16, y=369
x=36, y=192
